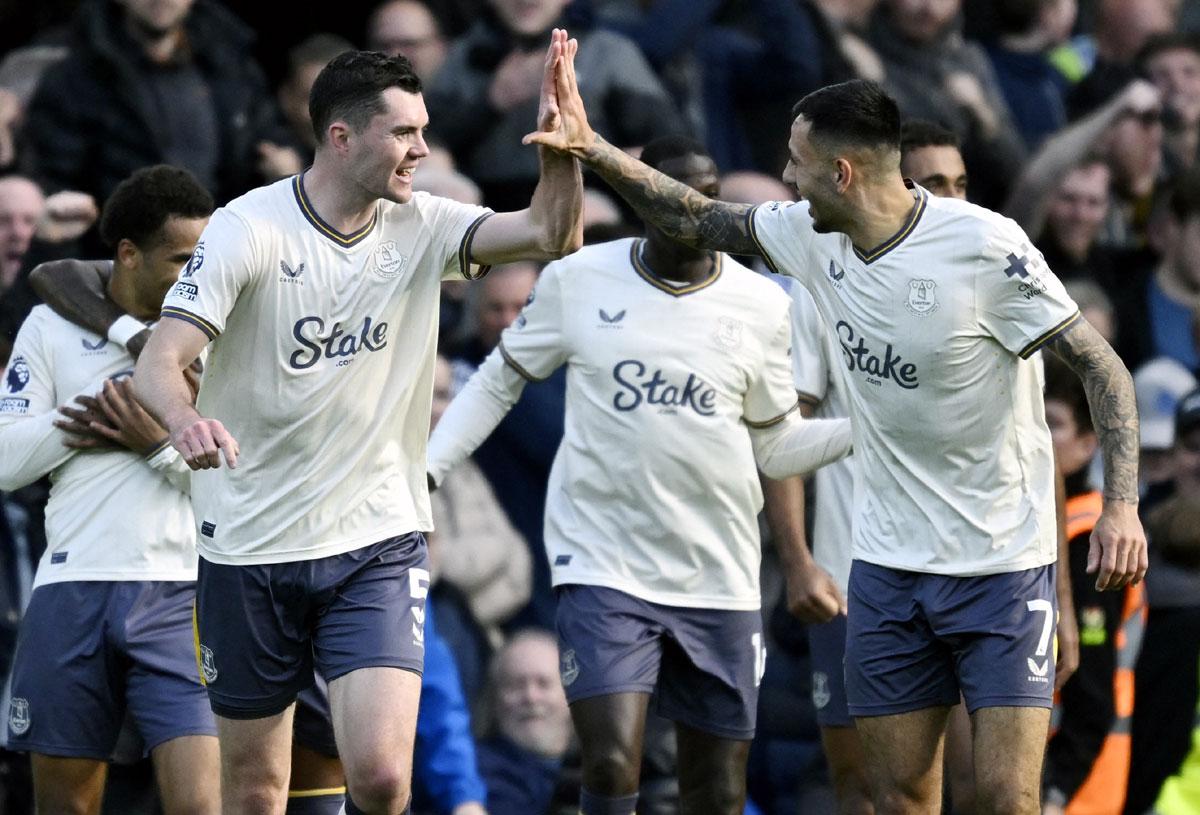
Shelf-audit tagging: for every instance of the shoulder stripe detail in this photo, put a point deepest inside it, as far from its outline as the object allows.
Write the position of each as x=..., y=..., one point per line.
x=204, y=325
x=775, y=421
x=464, y=249
x=345, y=241
x=891, y=243
x=1028, y=350
x=644, y=271
x=754, y=237
x=516, y=366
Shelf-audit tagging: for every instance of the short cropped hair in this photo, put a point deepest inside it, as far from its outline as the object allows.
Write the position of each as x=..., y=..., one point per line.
x=858, y=113
x=351, y=88
x=918, y=133
x=141, y=204
x=663, y=149
x=1164, y=42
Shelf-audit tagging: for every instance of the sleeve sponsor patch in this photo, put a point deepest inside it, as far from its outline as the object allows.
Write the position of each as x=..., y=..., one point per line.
x=186, y=290
x=14, y=404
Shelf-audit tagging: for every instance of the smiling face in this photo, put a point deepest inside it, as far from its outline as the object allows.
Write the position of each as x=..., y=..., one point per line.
x=383, y=156
x=812, y=173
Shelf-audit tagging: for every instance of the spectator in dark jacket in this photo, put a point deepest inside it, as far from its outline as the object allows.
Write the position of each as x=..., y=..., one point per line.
x=149, y=83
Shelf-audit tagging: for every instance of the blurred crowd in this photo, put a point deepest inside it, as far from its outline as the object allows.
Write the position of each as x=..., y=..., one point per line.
x=1079, y=119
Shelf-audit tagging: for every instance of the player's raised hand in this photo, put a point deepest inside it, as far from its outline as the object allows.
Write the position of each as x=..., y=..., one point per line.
x=562, y=120
x=1118, y=547
x=202, y=442
x=812, y=595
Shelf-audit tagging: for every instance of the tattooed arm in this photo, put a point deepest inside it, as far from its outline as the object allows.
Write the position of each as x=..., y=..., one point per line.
x=678, y=210
x=1118, y=546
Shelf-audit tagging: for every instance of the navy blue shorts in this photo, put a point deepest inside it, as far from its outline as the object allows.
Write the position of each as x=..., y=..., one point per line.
x=827, y=649
x=89, y=652
x=916, y=640
x=263, y=629
x=703, y=666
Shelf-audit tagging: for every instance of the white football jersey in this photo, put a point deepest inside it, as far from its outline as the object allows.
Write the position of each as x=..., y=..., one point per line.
x=818, y=374
x=110, y=516
x=949, y=429
x=654, y=490
x=321, y=366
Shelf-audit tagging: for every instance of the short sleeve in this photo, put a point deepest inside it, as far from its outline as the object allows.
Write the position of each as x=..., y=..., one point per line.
x=1018, y=299
x=782, y=231
x=453, y=226
x=771, y=395
x=534, y=344
x=810, y=359
x=220, y=267
x=29, y=378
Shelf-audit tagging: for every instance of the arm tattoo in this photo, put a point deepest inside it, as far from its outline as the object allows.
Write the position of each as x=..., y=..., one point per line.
x=1111, y=398
x=674, y=207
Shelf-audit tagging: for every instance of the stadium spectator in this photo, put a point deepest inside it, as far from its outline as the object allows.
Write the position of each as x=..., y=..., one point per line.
x=1087, y=759
x=1034, y=89
x=486, y=93
x=21, y=208
x=408, y=28
x=1172, y=63
x=108, y=629
x=529, y=730
x=305, y=61
x=1095, y=306
x=20, y=71
x=1160, y=384
x=148, y=83
x=1127, y=133
x=516, y=458
x=935, y=74
x=930, y=156
x=1108, y=52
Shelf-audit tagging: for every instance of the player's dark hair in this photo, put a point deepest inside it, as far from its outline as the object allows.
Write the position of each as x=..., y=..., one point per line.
x=141, y=204
x=857, y=113
x=665, y=148
x=918, y=133
x=1064, y=385
x=351, y=88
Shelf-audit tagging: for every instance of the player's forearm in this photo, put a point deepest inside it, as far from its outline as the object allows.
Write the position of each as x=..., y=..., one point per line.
x=557, y=204
x=29, y=449
x=160, y=387
x=75, y=290
x=783, y=502
x=678, y=210
x=798, y=446
x=487, y=398
x=1110, y=396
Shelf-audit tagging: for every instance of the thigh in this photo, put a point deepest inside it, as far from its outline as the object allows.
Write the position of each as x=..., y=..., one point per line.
x=713, y=661
x=827, y=652
x=847, y=769
x=371, y=610
x=712, y=772
x=609, y=643
x=67, y=695
x=1010, y=743
x=611, y=729
x=255, y=758
x=903, y=755
x=68, y=785
x=375, y=718
x=164, y=693
x=1002, y=627
x=188, y=771
x=895, y=663
x=252, y=637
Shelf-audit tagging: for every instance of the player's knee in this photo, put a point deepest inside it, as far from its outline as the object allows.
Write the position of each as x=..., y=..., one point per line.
x=257, y=800
x=67, y=804
x=612, y=770
x=725, y=796
x=905, y=799
x=379, y=787
x=853, y=797
x=1007, y=797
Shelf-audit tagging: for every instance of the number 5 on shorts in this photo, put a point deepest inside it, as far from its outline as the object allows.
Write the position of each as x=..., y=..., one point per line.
x=418, y=587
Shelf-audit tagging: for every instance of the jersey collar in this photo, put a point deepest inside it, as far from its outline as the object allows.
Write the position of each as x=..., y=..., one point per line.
x=647, y=274
x=310, y=215
x=910, y=224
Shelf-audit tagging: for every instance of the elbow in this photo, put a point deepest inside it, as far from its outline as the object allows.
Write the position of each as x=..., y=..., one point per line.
x=557, y=243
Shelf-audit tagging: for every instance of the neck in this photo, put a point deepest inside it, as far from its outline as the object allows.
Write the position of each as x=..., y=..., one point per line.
x=123, y=291
x=346, y=208
x=880, y=212
x=676, y=261
x=159, y=46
